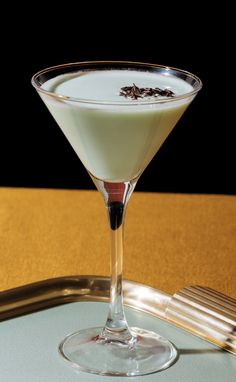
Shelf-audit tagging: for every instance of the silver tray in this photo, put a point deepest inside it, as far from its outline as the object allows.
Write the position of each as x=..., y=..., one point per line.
x=36, y=317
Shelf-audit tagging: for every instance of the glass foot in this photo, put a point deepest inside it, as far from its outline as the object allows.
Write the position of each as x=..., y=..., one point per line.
x=149, y=354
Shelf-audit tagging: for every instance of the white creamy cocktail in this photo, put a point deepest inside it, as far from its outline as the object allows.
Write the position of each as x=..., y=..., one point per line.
x=116, y=115
x=117, y=137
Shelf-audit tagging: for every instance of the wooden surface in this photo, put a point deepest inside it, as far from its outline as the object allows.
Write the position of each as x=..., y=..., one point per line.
x=171, y=240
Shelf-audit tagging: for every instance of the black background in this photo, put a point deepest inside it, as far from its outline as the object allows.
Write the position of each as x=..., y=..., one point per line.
x=198, y=156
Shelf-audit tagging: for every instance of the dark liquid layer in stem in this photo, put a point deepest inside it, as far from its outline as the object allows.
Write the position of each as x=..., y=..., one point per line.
x=115, y=211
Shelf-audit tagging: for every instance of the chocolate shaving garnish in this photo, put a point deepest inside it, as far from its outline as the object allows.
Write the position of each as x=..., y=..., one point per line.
x=135, y=92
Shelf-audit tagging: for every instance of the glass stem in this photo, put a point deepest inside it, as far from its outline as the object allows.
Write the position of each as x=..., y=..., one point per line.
x=116, y=324
x=116, y=196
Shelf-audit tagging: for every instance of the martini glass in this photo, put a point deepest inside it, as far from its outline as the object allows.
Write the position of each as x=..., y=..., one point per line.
x=116, y=120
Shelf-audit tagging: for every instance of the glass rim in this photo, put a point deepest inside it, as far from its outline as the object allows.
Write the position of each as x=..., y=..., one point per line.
x=90, y=64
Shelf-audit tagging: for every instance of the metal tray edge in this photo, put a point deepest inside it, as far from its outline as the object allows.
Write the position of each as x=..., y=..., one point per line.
x=52, y=292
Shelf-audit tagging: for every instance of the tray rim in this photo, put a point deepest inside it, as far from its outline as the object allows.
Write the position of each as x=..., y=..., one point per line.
x=52, y=292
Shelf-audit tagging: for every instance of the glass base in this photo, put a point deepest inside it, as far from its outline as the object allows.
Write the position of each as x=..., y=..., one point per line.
x=149, y=354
